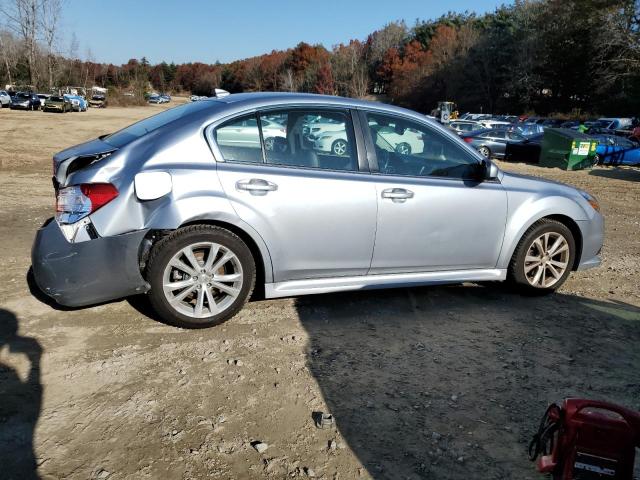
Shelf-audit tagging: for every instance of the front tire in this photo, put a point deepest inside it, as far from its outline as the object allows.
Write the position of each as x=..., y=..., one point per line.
x=543, y=258
x=200, y=276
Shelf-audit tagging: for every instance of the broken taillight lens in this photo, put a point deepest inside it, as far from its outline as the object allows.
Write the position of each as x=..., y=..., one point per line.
x=77, y=201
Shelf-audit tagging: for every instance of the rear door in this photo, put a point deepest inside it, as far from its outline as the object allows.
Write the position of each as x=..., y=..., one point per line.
x=315, y=210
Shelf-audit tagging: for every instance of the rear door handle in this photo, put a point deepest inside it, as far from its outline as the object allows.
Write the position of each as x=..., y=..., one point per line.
x=398, y=195
x=256, y=186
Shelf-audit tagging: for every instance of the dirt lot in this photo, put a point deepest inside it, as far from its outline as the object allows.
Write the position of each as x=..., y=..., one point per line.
x=443, y=382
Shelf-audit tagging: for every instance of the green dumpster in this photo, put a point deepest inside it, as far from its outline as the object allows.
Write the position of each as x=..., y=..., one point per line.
x=567, y=149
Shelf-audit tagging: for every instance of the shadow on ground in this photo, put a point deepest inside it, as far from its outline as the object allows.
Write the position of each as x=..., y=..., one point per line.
x=20, y=401
x=617, y=173
x=450, y=382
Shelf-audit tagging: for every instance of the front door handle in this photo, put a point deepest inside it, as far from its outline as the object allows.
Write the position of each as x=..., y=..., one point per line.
x=398, y=195
x=256, y=186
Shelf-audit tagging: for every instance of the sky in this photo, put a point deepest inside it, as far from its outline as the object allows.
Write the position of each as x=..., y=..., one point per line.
x=114, y=31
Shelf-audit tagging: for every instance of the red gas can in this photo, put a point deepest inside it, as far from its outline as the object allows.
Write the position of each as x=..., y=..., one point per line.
x=587, y=440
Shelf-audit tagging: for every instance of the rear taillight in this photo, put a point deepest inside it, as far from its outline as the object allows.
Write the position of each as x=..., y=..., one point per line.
x=468, y=139
x=77, y=201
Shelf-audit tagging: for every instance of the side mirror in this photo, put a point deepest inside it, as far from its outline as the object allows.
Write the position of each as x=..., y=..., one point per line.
x=489, y=171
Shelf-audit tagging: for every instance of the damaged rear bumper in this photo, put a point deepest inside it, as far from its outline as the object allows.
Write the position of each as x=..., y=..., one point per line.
x=90, y=272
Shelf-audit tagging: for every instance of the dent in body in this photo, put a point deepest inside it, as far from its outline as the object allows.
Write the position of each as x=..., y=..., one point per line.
x=196, y=193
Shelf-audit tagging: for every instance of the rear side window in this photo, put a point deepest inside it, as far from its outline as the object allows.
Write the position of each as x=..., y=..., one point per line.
x=312, y=139
x=322, y=139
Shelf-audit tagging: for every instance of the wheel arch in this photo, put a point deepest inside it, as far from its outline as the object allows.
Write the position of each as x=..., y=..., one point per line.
x=571, y=224
x=514, y=234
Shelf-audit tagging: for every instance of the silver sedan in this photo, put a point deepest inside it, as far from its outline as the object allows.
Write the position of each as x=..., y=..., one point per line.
x=170, y=208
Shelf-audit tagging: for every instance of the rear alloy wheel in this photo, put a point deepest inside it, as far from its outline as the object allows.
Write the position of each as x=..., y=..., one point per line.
x=200, y=276
x=544, y=257
x=339, y=147
x=484, y=151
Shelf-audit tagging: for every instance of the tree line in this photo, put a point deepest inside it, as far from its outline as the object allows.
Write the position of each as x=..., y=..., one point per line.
x=533, y=55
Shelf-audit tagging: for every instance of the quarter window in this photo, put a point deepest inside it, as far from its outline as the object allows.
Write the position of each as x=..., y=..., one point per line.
x=239, y=140
x=404, y=147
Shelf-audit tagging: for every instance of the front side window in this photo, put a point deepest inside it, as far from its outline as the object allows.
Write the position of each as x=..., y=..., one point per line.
x=408, y=148
x=312, y=139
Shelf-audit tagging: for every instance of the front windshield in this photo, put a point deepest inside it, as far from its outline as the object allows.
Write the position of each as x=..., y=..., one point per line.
x=137, y=130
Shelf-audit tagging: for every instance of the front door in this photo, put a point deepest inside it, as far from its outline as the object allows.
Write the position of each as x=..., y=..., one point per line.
x=432, y=214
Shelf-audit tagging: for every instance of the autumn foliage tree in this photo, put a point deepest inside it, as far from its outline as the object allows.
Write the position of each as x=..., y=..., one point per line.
x=541, y=55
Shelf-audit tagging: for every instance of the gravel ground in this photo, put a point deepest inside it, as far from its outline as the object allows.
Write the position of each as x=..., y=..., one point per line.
x=440, y=382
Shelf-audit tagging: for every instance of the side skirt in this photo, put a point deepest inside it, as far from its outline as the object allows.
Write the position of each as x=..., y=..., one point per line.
x=367, y=282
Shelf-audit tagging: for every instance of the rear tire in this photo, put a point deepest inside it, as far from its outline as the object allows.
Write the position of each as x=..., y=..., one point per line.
x=484, y=151
x=206, y=294
x=543, y=258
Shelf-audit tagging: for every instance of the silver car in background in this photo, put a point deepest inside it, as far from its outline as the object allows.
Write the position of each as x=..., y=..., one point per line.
x=194, y=207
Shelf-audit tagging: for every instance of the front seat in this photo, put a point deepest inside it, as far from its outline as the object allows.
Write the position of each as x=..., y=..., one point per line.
x=300, y=155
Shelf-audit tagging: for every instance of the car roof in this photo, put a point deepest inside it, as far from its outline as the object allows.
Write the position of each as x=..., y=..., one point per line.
x=261, y=99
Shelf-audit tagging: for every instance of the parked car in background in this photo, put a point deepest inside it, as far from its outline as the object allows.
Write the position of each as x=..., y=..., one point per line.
x=573, y=124
x=616, y=150
x=78, y=103
x=529, y=129
x=57, y=103
x=526, y=151
x=25, y=101
x=218, y=217
x=243, y=134
x=492, y=142
x=552, y=122
x=465, y=126
x=615, y=123
x=5, y=99
x=98, y=100
x=495, y=123
x=155, y=99
x=43, y=97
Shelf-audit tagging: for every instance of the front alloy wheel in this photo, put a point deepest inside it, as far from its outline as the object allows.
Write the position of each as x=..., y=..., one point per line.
x=484, y=151
x=543, y=258
x=547, y=260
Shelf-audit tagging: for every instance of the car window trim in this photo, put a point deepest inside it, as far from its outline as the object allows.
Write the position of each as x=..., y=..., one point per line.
x=373, y=159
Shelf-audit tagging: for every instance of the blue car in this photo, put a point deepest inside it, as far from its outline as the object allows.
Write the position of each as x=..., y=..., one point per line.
x=614, y=150
x=78, y=103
